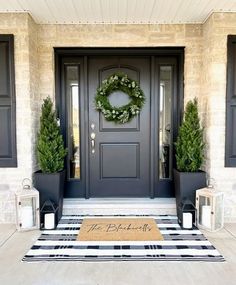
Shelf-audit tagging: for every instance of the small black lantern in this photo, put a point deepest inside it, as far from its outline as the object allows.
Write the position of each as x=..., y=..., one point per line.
x=48, y=215
x=187, y=214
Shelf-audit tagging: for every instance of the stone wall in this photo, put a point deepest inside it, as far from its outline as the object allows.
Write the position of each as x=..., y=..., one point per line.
x=189, y=36
x=215, y=32
x=10, y=178
x=204, y=78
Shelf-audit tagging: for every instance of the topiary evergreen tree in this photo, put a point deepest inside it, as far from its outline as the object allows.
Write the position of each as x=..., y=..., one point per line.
x=50, y=145
x=190, y=144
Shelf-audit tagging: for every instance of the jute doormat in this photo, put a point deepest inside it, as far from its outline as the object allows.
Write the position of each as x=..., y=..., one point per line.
x=118, y=229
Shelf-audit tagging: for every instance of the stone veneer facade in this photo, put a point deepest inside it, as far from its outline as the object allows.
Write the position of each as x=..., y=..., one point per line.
x=204, y=77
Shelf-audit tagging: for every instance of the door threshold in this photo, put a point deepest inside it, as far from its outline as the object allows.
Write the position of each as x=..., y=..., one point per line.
x=119, y=206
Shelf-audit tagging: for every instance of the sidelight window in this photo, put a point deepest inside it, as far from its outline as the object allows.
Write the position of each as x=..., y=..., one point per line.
x=165, y=122
x=73, y=117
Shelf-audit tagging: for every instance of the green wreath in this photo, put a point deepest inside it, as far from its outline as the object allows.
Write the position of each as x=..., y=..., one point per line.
x=123, y=114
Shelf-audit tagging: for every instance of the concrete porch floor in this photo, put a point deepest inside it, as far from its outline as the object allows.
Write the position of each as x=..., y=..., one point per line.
x=13, y=246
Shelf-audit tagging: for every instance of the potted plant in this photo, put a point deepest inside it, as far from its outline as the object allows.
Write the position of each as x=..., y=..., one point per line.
x=50, y=179
x=189, y=153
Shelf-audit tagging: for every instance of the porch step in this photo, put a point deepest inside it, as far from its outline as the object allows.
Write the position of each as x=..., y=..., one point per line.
x=119, y=206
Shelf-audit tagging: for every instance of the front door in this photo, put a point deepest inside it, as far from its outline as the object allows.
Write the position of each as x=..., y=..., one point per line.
x=119, y=155
x=106, y=159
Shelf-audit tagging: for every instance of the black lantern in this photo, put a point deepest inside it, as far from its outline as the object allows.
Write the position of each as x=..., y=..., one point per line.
x=187, y=214
x=48, y=215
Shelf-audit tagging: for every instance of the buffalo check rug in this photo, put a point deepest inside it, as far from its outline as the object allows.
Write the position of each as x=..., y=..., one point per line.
x=179, y=244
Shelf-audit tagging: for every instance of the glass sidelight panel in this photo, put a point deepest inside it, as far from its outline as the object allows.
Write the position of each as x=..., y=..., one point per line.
x=72, y=94
x=165, y=122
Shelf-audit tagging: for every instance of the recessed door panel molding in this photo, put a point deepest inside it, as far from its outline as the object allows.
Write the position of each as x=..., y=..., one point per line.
x=132, y=126
x=127, y=163
x=106, y=71
x=119, y=98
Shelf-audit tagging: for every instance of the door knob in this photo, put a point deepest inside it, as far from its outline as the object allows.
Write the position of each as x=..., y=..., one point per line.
x=92, y=136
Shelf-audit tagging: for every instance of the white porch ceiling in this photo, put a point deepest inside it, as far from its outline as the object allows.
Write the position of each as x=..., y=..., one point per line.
x=118, y=11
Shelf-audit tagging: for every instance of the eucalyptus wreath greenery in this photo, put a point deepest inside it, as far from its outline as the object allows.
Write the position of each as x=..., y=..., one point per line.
x=119, y=82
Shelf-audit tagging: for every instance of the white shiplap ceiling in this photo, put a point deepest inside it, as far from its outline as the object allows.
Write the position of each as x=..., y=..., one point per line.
x=118, y=11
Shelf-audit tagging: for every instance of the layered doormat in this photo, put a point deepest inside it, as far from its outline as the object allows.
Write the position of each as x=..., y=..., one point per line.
x=118, y=229
x=61, y=244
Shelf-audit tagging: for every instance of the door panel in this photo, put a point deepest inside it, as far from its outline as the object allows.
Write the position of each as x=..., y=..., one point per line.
x=126, y=168
x=120, y=165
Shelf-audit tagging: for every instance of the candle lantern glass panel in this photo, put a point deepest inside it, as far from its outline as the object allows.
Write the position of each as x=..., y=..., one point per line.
x=203, y=201
x=27, y=209
x=210, y=209
x=219, y=212
x=27, y=213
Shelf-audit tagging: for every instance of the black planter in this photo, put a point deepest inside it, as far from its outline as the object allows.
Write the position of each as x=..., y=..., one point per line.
x=51, y=187
x=186, y=184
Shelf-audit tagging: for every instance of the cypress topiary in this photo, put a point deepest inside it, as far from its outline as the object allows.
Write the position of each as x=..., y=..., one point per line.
x=50, y=145
x=190, y=145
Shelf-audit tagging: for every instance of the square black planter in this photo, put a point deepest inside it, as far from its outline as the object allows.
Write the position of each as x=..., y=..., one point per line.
x=51, y=187
x=186, y=184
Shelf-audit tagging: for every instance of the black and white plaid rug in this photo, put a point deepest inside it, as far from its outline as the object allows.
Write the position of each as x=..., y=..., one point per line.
x=178, y=244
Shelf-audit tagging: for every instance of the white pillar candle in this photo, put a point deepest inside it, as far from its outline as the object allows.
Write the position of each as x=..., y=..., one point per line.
x=187, y=220
x=206, y=216
x=26, y=217
x=49, y=221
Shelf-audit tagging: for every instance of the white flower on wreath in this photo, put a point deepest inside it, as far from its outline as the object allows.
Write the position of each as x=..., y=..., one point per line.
x=124, y=117
x=134, y=109
x=99, y=105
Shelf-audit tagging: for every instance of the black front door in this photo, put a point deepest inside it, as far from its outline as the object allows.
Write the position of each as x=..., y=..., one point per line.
x=105, y=159
x=119, y=160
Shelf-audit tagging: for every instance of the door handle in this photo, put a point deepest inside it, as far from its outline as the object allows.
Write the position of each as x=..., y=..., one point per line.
x=92, y=136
